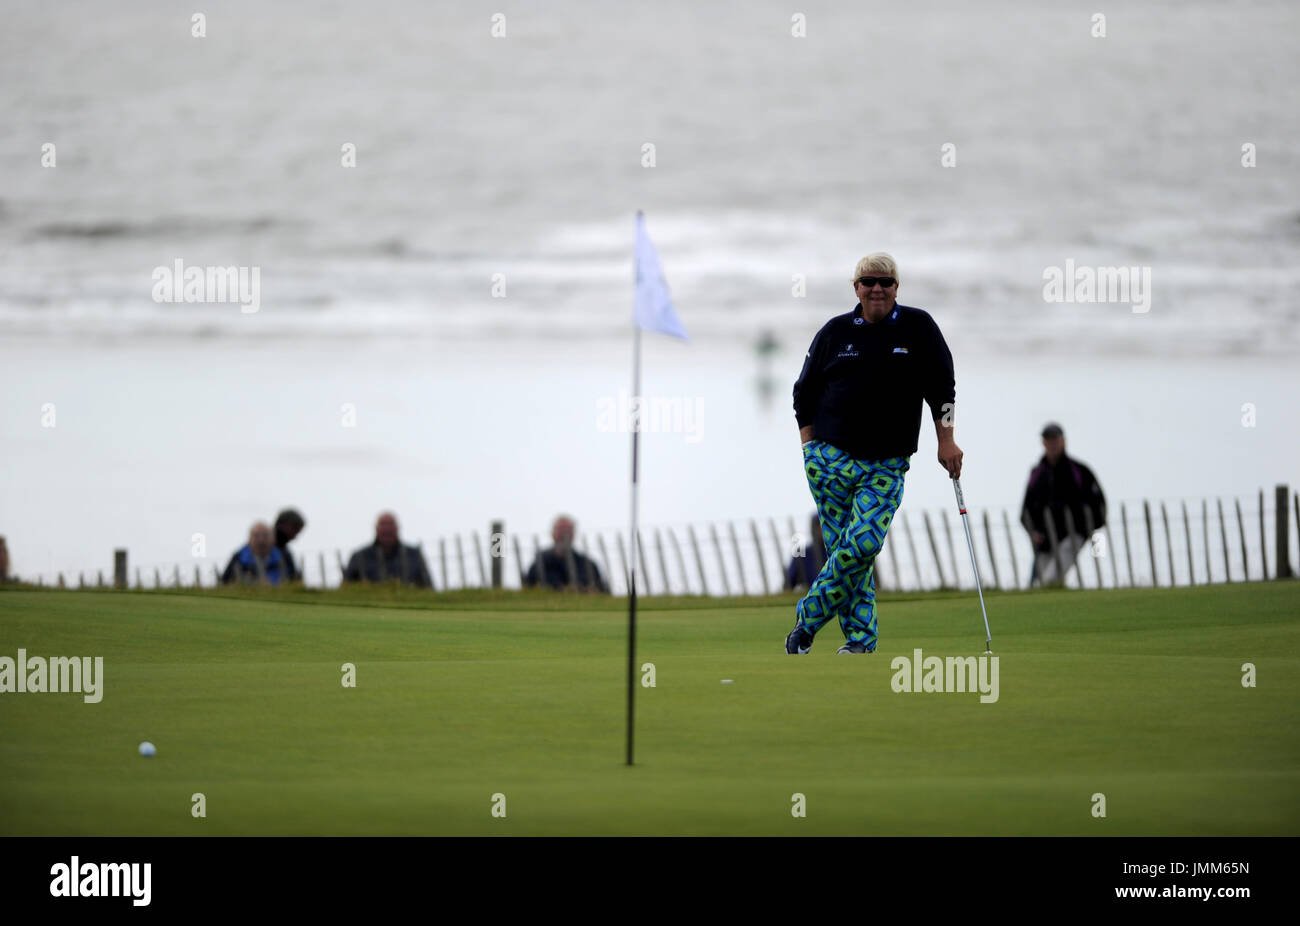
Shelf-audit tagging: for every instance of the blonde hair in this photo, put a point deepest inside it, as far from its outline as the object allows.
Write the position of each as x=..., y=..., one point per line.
x=876, y=263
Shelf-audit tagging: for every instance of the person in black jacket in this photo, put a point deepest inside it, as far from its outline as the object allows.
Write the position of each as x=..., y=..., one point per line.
x=388, y=559
x=1059, y=486
x=858, y=403
x=561, y=566
x=288, y=525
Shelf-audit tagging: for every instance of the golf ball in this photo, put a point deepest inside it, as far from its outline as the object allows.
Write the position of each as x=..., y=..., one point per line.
x=147, y=749
x=726, y=681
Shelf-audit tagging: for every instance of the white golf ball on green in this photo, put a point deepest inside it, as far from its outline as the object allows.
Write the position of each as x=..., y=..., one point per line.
x=147, y=749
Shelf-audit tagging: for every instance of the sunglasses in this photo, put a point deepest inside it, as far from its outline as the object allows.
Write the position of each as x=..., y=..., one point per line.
x=869, y=282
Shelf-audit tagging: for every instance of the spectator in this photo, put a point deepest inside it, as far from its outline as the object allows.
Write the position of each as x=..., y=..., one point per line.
x=288, y=525
x=1059, y=484
x=388, y=559
x=804, y=566
x=561, y=566
x=257, y=561
x=4, y=561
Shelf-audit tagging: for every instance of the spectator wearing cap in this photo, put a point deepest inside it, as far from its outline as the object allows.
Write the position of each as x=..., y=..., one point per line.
x=288, y=525
x=1063, y=503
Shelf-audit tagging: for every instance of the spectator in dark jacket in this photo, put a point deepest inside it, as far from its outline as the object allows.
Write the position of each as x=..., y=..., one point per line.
x=388, y=559
x=288, y=525
x=1059, y=485
x=257, y=561
x=561, y=566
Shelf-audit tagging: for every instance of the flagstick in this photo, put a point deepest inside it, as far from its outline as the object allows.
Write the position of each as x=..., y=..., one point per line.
x=631, y=585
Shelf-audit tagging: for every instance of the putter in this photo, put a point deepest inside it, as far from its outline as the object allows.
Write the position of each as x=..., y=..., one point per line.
x=961, y=507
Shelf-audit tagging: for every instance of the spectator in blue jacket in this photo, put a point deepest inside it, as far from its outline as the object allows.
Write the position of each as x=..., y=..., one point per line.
x=259, y=561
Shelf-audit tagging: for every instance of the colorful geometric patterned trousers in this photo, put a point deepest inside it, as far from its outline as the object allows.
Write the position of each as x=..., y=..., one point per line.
x=856, y=501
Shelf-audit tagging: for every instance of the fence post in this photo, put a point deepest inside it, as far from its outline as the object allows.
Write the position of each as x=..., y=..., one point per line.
x=1169, y=546
x=663, y=563
x=519, y=562
x=735, y=548
x=780, y=551
x=497, y=532
x=1071, y=531
x=1223, y=534
x=722, y=566
x=641, y=561
x=1295, y=501
x=911, y=546
x=758, y=549
x=1281, y=519
x=1241, y=530
x=934, y=548
x=1011, y=545
x=589, y=563
x=1092, y=533
x=622, y=558
x=952, y=552
x=681, y=561
x=119, y=568
x=1187, y=532
x=1205, y=527
x=1054, y=542
x=604, y=559
x=993, y=559
x=1128, y=548
x=1151, y=543
x=699, y=560
x=1263, y=538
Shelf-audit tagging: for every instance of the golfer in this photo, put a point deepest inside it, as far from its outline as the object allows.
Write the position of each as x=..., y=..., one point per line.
x=858, y=405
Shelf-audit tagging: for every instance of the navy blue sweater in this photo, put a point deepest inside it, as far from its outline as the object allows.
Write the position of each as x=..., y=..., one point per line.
x=862, y=384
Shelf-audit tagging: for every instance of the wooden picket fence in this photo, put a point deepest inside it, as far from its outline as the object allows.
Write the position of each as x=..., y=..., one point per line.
x=1144, y=543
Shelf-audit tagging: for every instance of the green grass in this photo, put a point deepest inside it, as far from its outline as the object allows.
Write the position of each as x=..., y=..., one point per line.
x=1136, y=694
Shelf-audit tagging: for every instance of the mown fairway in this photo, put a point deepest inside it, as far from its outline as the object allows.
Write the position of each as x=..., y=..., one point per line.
x=1133, y=694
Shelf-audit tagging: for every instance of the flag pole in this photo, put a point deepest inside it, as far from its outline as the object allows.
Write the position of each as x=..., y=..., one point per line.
x=652, y=309
x=631, y=584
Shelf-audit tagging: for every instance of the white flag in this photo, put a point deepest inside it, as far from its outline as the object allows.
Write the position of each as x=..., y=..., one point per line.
x=654, y=307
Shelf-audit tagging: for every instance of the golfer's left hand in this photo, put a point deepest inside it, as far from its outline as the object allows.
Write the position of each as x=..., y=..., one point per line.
x=950, y=458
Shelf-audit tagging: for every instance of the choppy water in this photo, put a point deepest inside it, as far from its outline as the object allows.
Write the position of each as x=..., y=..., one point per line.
x=775, y=156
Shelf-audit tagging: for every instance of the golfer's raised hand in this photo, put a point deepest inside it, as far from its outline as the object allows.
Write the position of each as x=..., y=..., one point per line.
x=950, y=458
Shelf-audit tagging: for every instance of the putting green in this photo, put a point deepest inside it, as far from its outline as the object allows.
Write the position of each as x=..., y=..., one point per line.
x=1136, y=695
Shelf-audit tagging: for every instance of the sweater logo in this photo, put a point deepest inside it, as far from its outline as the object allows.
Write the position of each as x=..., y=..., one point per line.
x=847, y=352
x=900, y=350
